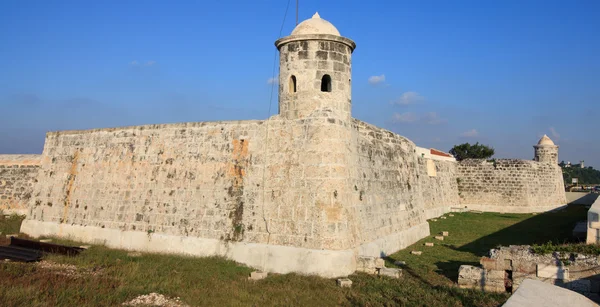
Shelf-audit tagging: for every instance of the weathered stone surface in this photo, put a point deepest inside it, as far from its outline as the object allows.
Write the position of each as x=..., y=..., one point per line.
x=488, y=263
x=17, y=176
x=552, y=271
x=470, y=276
x=390, y=272
x=344, y=282
x=369, y=265
x=509, y=185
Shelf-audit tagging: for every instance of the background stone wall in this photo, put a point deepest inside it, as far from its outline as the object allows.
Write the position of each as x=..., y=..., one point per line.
x=509, y=185
x=17, y=176
x=440, y=188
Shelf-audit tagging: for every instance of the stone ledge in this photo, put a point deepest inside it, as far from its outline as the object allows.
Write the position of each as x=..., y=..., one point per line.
x=514, y=209
x=265, y=257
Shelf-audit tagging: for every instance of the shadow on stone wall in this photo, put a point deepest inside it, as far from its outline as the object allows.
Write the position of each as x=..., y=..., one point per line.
x=541, y=228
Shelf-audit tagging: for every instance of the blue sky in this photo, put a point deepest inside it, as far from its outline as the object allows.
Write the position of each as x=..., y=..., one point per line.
x=438, y=72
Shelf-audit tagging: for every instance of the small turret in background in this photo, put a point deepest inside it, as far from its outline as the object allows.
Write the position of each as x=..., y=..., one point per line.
x=546, y=151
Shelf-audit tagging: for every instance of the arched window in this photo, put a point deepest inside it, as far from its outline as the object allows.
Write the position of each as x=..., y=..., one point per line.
x=292, y=84
x=326, y=83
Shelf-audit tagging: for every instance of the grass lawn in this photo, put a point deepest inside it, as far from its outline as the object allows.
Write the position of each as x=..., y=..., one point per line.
x=106, y=277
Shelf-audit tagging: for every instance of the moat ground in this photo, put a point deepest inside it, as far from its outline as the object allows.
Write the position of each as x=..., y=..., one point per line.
x=106, y=277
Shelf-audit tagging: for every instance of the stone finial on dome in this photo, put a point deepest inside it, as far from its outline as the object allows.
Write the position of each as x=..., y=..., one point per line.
x=545, y=140
x=315, y=25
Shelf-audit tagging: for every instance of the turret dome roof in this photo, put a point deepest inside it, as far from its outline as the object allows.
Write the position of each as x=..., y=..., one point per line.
x=315, y=25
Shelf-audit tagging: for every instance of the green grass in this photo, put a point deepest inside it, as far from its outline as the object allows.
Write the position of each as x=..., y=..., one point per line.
x=10, y=224
x=428, y=280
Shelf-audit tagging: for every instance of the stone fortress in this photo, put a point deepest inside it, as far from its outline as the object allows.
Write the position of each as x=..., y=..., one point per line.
x=310, y=190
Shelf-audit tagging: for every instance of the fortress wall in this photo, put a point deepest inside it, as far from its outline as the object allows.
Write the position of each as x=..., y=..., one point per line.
x=437, y=180
x=200, y=189
x=386, y=195
x=17, y=176
x=509, y=185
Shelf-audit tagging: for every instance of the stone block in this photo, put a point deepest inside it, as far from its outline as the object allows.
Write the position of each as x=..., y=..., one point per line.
x=390, y=272
x=368, y=264
x=46, y=240
x=256, y=275
x=445, y=233
x=428, y=243
x=470, y=277
x=450, y=215
x=443, y=217
x=494, y=286
x=552, y=271
x=12, y=235
x=399, y=263
x=344, y=282
x=441, y=238
x=379, y=263
x=416, y=252
x=494, y=275
x=83, y=246
x=434, y=220
x=488, y=263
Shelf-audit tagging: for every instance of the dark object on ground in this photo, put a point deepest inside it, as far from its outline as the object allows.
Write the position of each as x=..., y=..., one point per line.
x=28, y=250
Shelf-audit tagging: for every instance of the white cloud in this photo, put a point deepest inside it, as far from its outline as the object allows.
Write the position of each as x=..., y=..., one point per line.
x=470, y=134
x=554, y=134
x=432, y=118
x=134, y=63
x=374, y=80
x=407, y=117
x=150, y=63
x=409, y=98
x=274, y=80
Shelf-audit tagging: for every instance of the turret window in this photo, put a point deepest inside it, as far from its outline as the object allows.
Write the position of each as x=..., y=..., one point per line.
x=292, y=84
x=326, y=83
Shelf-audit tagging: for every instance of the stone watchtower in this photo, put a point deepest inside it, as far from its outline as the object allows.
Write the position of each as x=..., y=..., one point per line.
x=315, y=71
x=546, y=151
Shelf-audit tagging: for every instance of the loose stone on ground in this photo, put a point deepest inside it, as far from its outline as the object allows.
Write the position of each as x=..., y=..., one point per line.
x=344, y=282
x=257, y=275
x=155, y=299
x=390, y=272
x=416, y=252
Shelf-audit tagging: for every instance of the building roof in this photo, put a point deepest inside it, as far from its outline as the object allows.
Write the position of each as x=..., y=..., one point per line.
x=315, y=25
x=545, y=140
